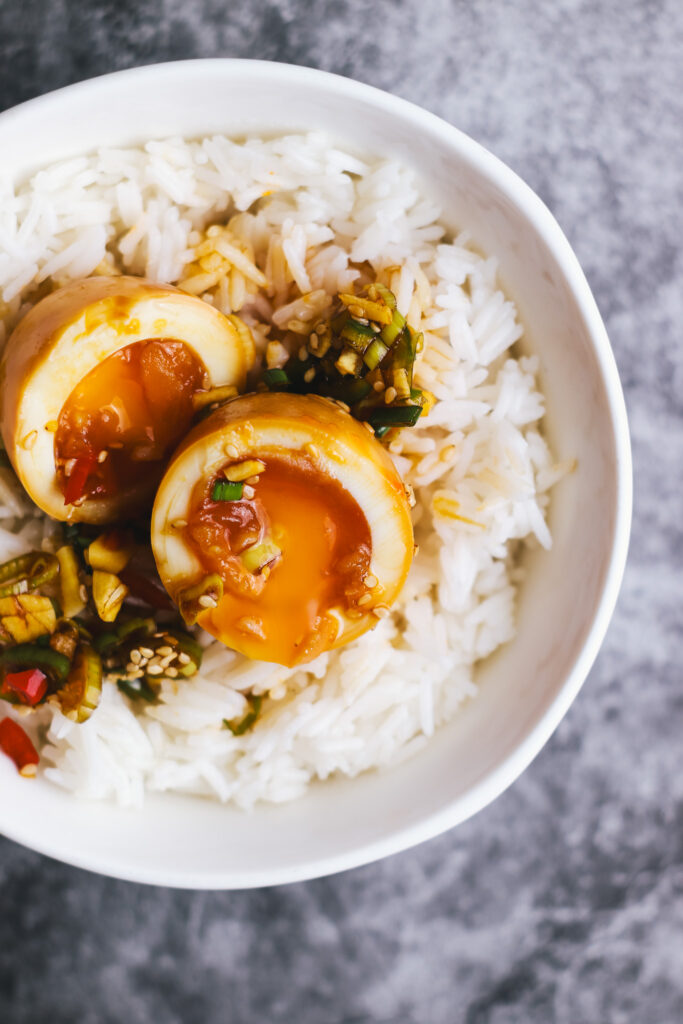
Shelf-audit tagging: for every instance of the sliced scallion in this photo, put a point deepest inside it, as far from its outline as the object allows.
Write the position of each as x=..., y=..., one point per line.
x=227, y=490
x=395, y=416
x=275, y=379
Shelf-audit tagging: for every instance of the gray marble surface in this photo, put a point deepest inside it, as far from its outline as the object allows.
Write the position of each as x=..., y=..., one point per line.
x=564, y=900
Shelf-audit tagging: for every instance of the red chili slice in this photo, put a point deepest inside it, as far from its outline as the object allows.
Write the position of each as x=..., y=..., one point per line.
x=78, y=478
x=30, y=686
x=16, y=744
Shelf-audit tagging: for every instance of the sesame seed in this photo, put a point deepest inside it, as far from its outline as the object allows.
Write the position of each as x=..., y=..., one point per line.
x=252, y=481
x=231, y=451
x=103, y=456
x=381, y=611
x=370, y=581
x=309, y=374
x=136, y=674
x=354, y=613
x=303, y=353
x=378, y=385
x=389, y=395
x=365, y=599
x=172, y=672
x=168, y=661
x=184, y=659
x=131, y=667
x=51, y=426
x=154, y=670
x=343, y=405
x=248, y=492
x=83, y=592
x=29, y=771
x=164, y=651
x=147, y=652
x=206, y=601
x=179, y=524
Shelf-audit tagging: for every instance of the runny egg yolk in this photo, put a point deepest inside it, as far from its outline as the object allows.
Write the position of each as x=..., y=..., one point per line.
x=124, y=417
x=281, y=612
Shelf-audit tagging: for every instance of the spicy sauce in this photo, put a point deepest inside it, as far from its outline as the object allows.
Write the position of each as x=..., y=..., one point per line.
x=282, y=614
x=124, y=417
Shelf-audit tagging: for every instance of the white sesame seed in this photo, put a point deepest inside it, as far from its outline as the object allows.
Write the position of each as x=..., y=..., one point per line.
x=154, y=670
x=231, y=451
x=390, y=395
x=381, y=611
x=103, y=456
x=370, y=581
x=165, y=651
x=206, y=601
x=172, y=672
x=179, y=524
x=252, y=481
x=363, y=600
x=29, y=771
x=147, y=652
x=309, y=374
x=248, y=493
x=378, y=385
x=184, y=659
x=303, y=353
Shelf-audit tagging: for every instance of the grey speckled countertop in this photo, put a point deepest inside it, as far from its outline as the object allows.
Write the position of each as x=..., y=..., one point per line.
x=563, y=901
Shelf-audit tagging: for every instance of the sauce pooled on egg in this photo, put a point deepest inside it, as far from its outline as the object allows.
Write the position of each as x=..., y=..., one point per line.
x=124, y=417
x=314, y=543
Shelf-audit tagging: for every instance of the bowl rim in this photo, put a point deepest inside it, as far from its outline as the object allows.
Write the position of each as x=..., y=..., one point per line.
x=544, y=223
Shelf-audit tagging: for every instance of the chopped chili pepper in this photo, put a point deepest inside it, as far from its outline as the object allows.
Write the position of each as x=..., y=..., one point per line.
x=30, y=686
x=78, y=478
x=16, y=744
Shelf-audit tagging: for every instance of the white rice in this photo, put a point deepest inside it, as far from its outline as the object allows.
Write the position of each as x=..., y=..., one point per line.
x=373, y=702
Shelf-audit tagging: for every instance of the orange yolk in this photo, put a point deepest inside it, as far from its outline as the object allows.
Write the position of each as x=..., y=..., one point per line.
x=123, y=419
x=281, y=612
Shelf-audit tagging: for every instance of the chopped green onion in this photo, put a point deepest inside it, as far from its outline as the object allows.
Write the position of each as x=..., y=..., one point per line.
x=396, y=416
x=80, y=694
x=381, y=431
x=390, y=333
x=189, y=646
x=349, y=390
x=258, y=556
x=227, y=490
x=137, y=689
x=27, y=572
x=375, y=353
x=192, y=601
x=416, y=395
x=275, y=379
x=385, y=294
x=358, y=335
x=244, y=724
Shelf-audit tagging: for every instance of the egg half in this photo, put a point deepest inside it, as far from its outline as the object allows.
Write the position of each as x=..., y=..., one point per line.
x=297, y=512
x=99, y=380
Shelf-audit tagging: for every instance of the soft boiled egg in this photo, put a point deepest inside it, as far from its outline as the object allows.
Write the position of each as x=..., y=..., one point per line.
x=101, y=379
x=282, y=527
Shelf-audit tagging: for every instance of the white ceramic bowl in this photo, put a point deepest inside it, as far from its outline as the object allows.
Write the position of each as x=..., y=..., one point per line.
x=568, y=599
